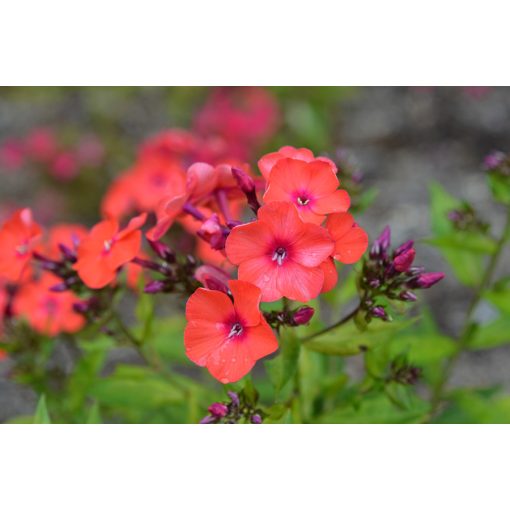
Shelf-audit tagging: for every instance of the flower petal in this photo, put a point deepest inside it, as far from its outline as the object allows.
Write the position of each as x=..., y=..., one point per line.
x=246, y=301
x=261, y=340
x=282, y=218
x=231, y=362
x=300, y=283
x=313, y=246
x=336, y=202
x=209, y=305
x=264, y=274
x=330, y=275
x=248, y=241
x=203, y=339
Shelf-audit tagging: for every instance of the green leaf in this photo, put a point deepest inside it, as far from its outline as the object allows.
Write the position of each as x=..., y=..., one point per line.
x=41, y=412
x=94, y=416
x=347, y=340
x=477, y=407
x=466, y=265
x=500, y=298
x=283, y=366
x=500, y=187
x=145, y=314
x=379, y=409
x=139, y=387
x=168, y=340
x=465, y=241
x=491, y=335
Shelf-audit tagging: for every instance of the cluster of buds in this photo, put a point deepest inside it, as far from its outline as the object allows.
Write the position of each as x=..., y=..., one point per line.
x=391, y=275
x=404, y=373
x=497, y=162
x=174, y=272
x=235, y=410
x=293, y=318
x=62, y=268
x=465, y=218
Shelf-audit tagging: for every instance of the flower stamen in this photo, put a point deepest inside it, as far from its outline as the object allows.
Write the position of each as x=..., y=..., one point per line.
x=279, y=255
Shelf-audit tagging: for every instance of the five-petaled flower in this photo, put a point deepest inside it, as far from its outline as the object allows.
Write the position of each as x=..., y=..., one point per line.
x=227, y=336
x=280, y=253
x=18, y=237
x=106, y=249
x=311, y=186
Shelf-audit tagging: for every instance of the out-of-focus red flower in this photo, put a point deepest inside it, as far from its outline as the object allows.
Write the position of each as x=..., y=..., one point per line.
x=267, y=162
x=64, y=166
x=12, y=154
x=18, y=237
x=119, y=200
x=311, y=186
x=244, y=117
x=106, y=249
x=41, y=145
x=67, y=234
x=90, y=151
x=46, y=311
x=172, y=145
x=280, y=253
x=3, y=304
x=153, y=180
x=227, y=338
x=351, y=241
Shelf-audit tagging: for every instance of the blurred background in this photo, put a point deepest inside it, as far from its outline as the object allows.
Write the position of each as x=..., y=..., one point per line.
x=60, y=148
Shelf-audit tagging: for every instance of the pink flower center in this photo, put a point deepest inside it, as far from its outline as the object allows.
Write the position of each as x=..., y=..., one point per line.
x=22, y=249
x=302, y=198
x=236, y=330
x=279, y=255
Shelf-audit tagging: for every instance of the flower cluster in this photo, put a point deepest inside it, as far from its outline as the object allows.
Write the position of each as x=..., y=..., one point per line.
x=390, y=275
x=238, y=409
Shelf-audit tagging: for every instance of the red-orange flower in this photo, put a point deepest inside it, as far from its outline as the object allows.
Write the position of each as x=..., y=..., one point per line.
x=224, y=336
x=46, y=311
x=351, y=241
x=69, y=235
x=18, y=237
x=280, y=253
x=106, y=249
x=311, y=186
x=267, y=162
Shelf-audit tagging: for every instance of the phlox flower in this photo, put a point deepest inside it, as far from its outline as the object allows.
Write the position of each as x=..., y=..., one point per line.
x=46, y=311
x=351, y=241
x=311, y=186
x=67, y=234
x=18, y=237
x=268, y=161
x=106, y=249
x=224, y=336
x=280, y=253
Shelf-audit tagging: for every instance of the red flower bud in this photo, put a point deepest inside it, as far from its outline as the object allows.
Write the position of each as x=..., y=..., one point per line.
x=403, y=261
x=303, y=315
x=218, y=410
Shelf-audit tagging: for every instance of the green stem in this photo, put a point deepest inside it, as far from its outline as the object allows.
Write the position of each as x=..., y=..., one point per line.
x=464, y=337
x=337, y=324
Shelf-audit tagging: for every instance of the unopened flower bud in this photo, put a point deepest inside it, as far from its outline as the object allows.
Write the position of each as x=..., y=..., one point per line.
x=493, y=160
x=407, y=295
x=234, y=397
x=403, y=261
x=212, y=278
x=379, y=312
x=426, y=280
x=162, y=251
x=381, y=244
x=154, y=287
x=303, y=315
x=207, y=420
x=247, y=185
x=256, y=419
x=68, y=253
x=81, y=307
x=218, y=410
x=404, y=247
x=374, y=283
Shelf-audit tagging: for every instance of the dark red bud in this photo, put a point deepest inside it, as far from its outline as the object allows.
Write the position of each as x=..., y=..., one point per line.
x=303, y=315
x=218, y=410
x=403, y=261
